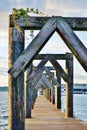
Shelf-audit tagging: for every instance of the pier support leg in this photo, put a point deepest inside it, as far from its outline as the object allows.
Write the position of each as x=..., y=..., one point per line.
x=53, y=95
x=28, y=94
x=48, y=94
x=33, y=99
x=69, y=89
x=16, y=119
x=58, y=92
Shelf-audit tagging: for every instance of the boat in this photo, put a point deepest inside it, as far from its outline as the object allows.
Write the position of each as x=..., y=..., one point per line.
x=78, y=89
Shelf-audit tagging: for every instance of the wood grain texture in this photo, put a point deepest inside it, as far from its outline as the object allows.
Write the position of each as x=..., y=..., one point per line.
x=52, y=77
x=38, y=70
x=16, y=88
x=76, y=23
x=69, y=89
x=66, y=56
x=46, y=80
x=59, y=69
x=72, y=41
x=28, y=93
x=58, y=91
x=34, y=47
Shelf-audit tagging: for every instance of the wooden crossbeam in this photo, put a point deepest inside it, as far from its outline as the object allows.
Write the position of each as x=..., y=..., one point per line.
x=46, y=81
x=35, y=76
x=40, y=83
x=36, y=23
x=69, y=37
x=59, y=69
x=72, y=41
x=66, y=56
x=49, y=67
x=35, y=46
x=38, y=70
x=52, y=77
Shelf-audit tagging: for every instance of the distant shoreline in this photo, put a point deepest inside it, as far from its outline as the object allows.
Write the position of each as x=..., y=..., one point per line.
x=3, y=89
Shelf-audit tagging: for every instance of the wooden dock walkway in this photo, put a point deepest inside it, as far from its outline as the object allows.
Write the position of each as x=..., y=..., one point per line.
x=46, y=117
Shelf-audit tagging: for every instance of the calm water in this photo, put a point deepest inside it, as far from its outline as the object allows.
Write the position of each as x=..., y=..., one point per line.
x=3, y=110
x=80, y=108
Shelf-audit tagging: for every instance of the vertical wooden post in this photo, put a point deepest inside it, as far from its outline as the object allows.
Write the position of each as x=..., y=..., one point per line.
x=53, y=95
x=69, y=89
x=58, y=92
x=48, y=94
x=35, y=94
x=32, y=96
x=45, y=93
x=53, y=90
x=16, y=119
x=28, y=93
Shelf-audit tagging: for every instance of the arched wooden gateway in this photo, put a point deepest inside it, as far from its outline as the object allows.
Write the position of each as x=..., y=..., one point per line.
x=20, y=60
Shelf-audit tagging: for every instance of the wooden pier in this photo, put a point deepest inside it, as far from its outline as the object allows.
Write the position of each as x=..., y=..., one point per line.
x=46, y=117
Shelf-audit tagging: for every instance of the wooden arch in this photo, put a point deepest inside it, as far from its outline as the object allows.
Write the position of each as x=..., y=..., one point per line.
x=64, y=30
x=20, y=59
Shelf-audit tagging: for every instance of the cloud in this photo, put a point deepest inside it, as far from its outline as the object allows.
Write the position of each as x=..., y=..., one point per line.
x=3, y=71
x=69, y=8
x=3, y=43
x=4, y=21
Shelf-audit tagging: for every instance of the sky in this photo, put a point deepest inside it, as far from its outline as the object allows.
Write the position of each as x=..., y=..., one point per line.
x=69, y=8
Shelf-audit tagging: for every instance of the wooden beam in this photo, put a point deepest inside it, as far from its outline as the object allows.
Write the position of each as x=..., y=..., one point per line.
x=46, y=80
x=52, y=77
x=59, y=69
x=49, y=67
x=66, y=56
x=36, y=23
x=38, y=70
x=35, y=77
x=28, y=93
x=16, y=85
x=69, y=89
x=42, y=63
x=34, y=47
x=58, y=92
x=72, y=41
x=40, y=83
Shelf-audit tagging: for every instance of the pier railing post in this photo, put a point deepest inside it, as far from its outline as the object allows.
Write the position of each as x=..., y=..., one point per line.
x=69, y=89
x=16, y=119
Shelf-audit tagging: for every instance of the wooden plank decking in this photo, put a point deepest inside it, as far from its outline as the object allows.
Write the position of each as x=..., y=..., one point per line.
x=46, y=117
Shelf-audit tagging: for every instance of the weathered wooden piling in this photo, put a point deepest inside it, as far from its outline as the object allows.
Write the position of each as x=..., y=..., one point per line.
x=69, y=89
x=16, y=119
x=58, y=92
x=53, y=95
x=28, y=93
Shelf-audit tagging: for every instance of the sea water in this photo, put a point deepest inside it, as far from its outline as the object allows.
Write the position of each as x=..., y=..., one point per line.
x=79, y=105
x=80, y=108
x=3, y=110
